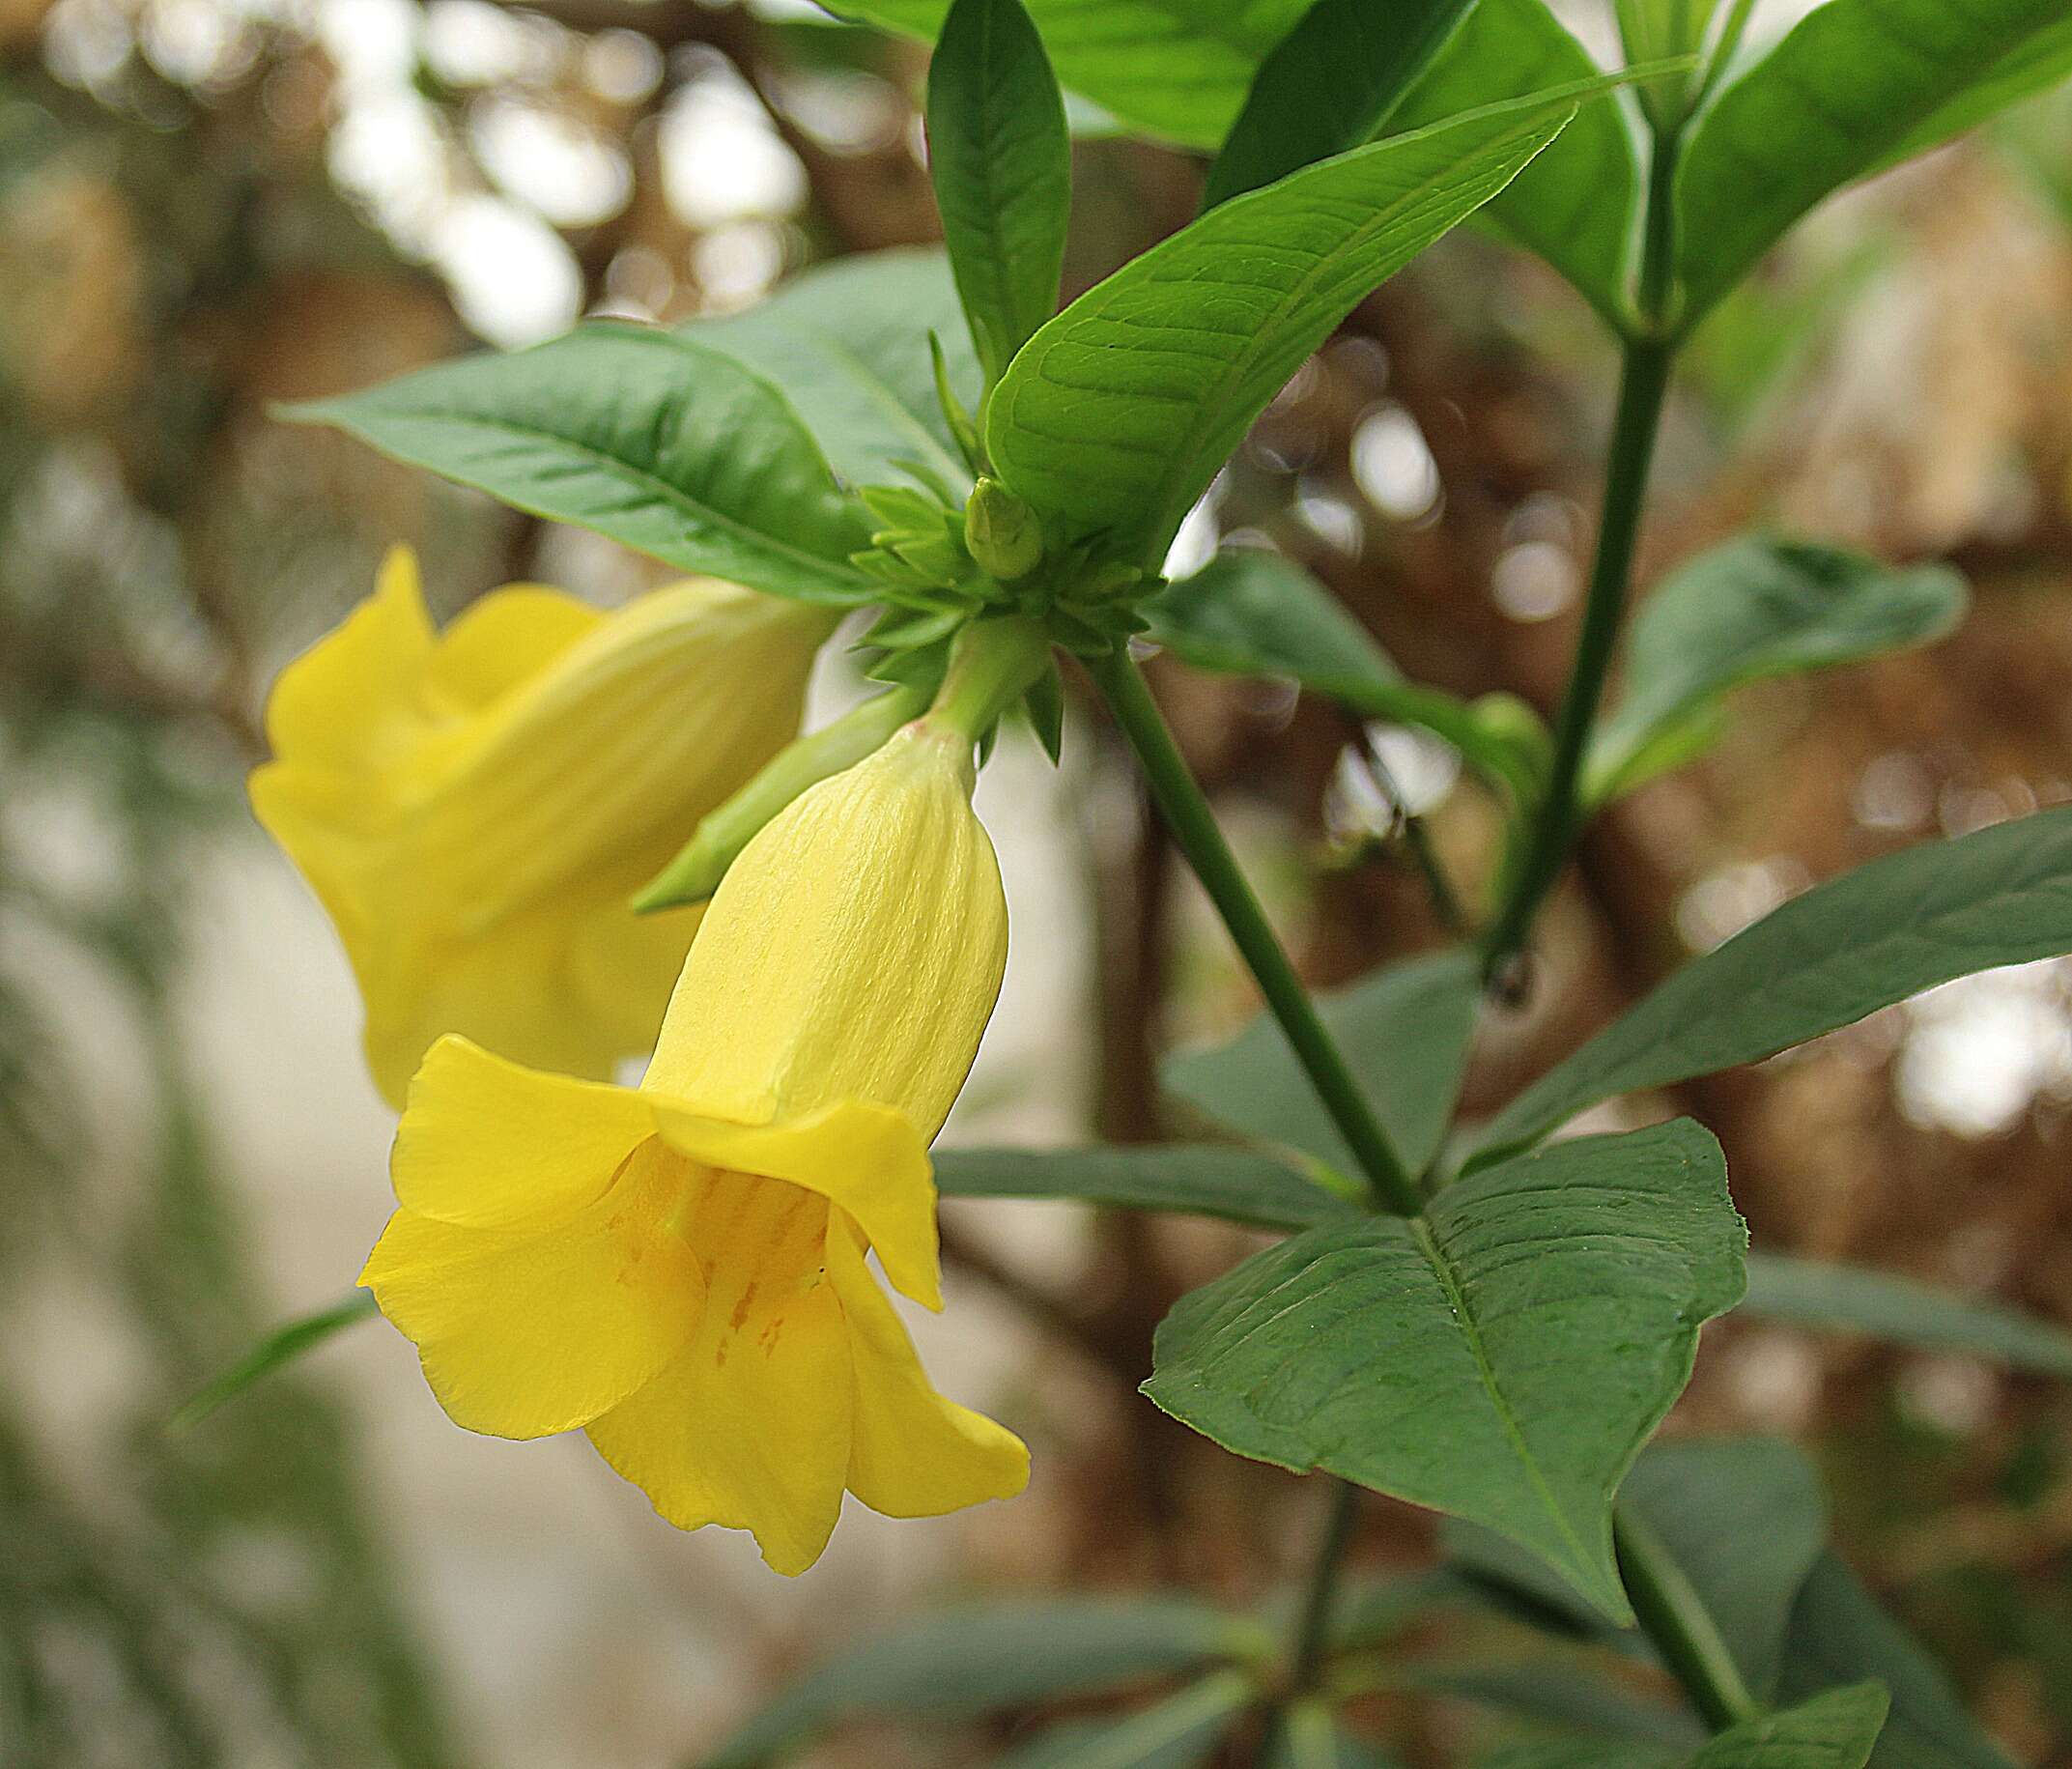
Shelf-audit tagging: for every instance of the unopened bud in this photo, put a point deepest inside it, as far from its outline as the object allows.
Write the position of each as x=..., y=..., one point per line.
x=1001, y=533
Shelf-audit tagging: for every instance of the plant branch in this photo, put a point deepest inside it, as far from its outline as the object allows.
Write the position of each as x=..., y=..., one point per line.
x=1312, y=1623
x=1187, y=815
x=1672, y=1615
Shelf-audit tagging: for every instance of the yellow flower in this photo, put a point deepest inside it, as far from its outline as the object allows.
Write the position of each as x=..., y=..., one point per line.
x=680, y=1267
x=475, y=806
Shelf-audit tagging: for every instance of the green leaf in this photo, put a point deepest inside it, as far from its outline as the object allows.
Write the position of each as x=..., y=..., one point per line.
x=282, y=1346
x=1329, y=85
x=1001, y=165
x=661, y=443
x=1849, y=1300
x=1310, y=1738
x=1249, y=612
x=1844, y=949
x=1502, y=1358
x=1404, y=1033
x=1173, y=67
x=1853, y=82
x=1557, y=1690
x=1745, y=1520
x=1180, y=1733
x=847, y=344
x=1838, y=1634
x=1757, y=608
x=1114, y=418
x=1578, y=204
x=978, y=1657
x=1834, y=1730
x=2042, y=62
x=1240, y=1185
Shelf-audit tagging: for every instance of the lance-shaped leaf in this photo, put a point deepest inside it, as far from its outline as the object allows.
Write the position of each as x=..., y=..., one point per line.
x=1239, y=1185
x=1502, y=1359
x=1755, y=608
x=1001, y=165
x=1249, y=612
x=1833, y=1730
x=1880, y=1305
x=1310, y=1737
x=283, y=1346
x=1404, y=1034
x=1853, y=82
x=1577, y=204
x=847, y=344
x=2039, y=64
x=1329, y=85
x=1827, y=958
x=1838, y=1634
x=1180, y=1733
x=661, y=443
x=978, y=1657
x=1113, y=419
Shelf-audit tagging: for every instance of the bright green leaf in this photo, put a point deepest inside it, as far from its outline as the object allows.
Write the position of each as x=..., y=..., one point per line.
x=1240, y=1185
x=2042, y=62
x=1329, y=85
x=1838, y=1635
x=1844, y=949
x=282, y=1346
x=1404, y=1033
x=1249, y=612
x=1501, y=1358
x=1757, y=608
x=1854, y=81
x=847, y=343
x=978, y=1657
x=1114, y=418
x=1851, y=1299
x=1001, y=165
x=1180, y=1733
x=1578, y=204
x=662, y=445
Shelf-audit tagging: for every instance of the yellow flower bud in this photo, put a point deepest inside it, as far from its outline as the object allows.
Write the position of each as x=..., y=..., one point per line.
x=475, y=806
x=679, y=1269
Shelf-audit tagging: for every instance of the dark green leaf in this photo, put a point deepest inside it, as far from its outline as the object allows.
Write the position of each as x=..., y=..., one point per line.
x=1001, y=165
x=1558, y=1691
x=1405, y=1032
x=1855, y=80
x=1744, y=1521
x=1209, y=1181
x=1179, y=1733
x=1328, y=86
x=1253, y=612
x=1502, y=1359
x=1838, y=1635
x=1849, y=1300
x=1834, y=1730
x=1114, y=418
x=847, y=343
x=978, y=1657
x=661, y=443
x=1843, y=949
x=282, y=1346
x=1756, y=607
x=1577, y=204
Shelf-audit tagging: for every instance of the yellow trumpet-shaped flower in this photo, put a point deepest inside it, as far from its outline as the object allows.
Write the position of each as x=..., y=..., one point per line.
x=474, y=807
x=679, y=1268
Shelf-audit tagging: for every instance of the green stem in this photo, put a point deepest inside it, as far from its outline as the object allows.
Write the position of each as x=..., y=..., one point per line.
x=1673, y=1616
x=1649, y=360
x=1187, y=815
x=1313, y=1625
x=992, y=663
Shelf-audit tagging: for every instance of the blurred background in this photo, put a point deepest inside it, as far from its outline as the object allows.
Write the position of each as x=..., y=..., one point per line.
x=210, y=205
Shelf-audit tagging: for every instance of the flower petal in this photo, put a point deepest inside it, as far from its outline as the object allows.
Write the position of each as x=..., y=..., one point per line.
x=487, y=1144
x=525, y=1332
x=499, y=640
x=748, y=1427
x=867, y=1159
x=914, y=1453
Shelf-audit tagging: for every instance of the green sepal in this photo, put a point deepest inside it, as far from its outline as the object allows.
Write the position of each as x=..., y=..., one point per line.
x=963, y=427
x=1044, y=707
